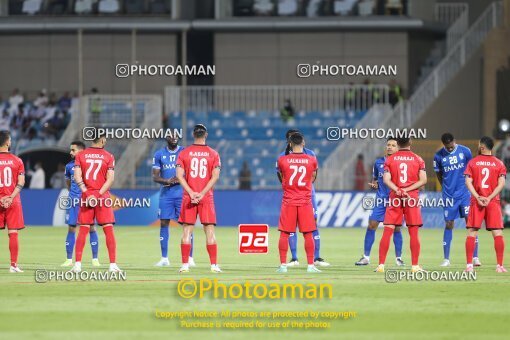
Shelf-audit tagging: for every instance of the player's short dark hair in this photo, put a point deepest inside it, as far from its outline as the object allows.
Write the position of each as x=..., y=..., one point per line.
x=487, y=141
x=98, y=138
x=290, y=132
x=79, y=144
x=296, y=138
x=391, y=138
x=199, y=131
x=4, y=136
x=447, y=138
x=403, y=141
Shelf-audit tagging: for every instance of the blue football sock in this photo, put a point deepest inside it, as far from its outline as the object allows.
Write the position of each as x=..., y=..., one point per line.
x=293, y=245
x=369, y=241
x=475, y=253
x=191, y=251
x=164, y=235
x=70, y=239
x=398, y=241
x=317, y=244
x=447, y=241
x=94, y=243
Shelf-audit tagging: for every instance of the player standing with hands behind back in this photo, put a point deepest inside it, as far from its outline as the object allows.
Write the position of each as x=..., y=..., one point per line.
x=297, y=171
x=94, y=174
x=198, y=170
x=404, y=174
x=485, y=178
x=12, y=178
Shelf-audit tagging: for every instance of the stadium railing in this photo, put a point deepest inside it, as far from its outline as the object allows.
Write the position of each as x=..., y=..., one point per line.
x=272, y=98
x=456, y=16
x=339, y=166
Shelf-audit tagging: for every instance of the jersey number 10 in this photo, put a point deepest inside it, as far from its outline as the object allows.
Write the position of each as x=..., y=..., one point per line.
x=6, y=179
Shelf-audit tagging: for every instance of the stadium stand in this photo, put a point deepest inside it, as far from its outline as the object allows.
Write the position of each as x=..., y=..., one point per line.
x=256, y=137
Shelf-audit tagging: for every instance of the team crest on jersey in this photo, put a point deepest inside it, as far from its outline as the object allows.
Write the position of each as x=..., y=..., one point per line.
x=446, y=213
x=444, y=159
x=164, y=157
x=461, y=155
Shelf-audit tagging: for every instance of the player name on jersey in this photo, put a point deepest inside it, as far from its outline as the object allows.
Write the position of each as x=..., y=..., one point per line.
x=9, y=162
x=298, y=160
x=94, y=155
x=404, y=158
x=199, y=154
x=484, y=163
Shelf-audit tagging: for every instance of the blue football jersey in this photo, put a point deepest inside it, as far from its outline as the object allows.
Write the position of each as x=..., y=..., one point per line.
x=377, y=173
x=165, y=160
x=452, y=165
x=74, y=190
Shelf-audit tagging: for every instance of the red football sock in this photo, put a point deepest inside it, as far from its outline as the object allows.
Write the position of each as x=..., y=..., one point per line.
x=80, y=242
x=309, y=247
x=499, y=245
x=185, y=250
x=212, y=249
x=470, y=249
x=415, y=244
x=283, y=246
x=111, y=243
x=384, y=244
x=13, y=248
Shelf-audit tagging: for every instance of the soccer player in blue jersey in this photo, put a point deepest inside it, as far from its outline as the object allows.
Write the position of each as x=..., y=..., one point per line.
x=377, y=214
x=170, y=196
x=73, y=208
x=318, y=260
x=449, y=164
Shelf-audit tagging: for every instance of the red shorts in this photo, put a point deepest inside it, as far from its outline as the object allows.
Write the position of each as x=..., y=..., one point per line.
x=292, y=216
x=102, y=215
x=204, y=209
x=397, y=212
x=491, y=214
x=12, y=217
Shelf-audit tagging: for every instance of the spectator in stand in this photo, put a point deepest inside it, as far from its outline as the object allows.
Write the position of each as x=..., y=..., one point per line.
x=95, y=106
x=360, y=174
x=57, y=180
x=42, y=100
x=49, y=112
x=64, y=103
x=287, y=112
x=395, y=95
x=245, y=177
x=38, y=177
x=5, y=120
x=15, y=100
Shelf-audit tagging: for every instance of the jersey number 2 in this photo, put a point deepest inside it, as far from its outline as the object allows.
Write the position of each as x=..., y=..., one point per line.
x=485, y=173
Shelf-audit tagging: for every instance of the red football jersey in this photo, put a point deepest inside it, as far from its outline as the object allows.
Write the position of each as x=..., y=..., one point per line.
x=404, y=167
x=94, y=164
x=198, y=162
x=297, y=178
x=485, y=171
x=11, y=167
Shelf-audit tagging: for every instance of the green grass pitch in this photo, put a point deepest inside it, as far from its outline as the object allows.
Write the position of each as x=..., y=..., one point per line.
x=126, y=310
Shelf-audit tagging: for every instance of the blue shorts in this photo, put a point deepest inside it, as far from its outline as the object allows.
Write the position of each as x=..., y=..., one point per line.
x=72, y=215
x=377, y=214
x=314, y=204
x=459, y=208
x=169, y=208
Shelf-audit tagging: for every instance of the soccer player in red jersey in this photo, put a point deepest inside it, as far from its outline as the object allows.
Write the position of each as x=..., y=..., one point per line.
x=297, y=172
x=198, y=169
x=12, y=180
x=485, y=178
x=94, y=174
x=404, y=174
